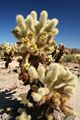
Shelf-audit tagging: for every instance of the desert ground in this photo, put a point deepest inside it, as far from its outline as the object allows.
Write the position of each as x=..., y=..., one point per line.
x=11, y=88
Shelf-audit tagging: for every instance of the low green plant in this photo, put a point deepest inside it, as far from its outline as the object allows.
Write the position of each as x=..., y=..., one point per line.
x=69, y=58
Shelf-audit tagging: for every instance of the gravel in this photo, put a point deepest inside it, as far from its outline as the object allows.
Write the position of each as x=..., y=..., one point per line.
x=11, y=88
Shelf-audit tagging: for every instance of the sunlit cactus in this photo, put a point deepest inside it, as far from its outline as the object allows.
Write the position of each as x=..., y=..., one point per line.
x=60, y=81
x=57, y=75
x=51, y=84
x=36, y=36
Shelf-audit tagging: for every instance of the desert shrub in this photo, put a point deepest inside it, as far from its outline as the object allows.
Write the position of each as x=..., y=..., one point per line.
x=69, y=58
x=1, y=54
x=78, y=59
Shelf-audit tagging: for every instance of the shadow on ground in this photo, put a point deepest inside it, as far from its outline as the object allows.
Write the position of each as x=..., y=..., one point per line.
x=9, y=105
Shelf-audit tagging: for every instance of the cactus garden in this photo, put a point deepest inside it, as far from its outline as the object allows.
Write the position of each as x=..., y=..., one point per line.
x=41, y=85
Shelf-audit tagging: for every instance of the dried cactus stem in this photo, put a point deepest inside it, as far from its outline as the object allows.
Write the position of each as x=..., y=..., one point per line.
x=60, y=53
x=25, y=59
x=8, y=59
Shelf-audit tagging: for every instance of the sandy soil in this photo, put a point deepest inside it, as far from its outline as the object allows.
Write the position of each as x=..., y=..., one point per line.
x=9, y=83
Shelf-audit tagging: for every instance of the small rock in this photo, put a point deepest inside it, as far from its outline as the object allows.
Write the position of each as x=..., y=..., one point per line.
x=69, y=118
x=13, y=88
x=58, y=115
x=15, y=70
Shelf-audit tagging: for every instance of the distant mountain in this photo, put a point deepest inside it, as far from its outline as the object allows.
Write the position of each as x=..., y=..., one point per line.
x=73, y=50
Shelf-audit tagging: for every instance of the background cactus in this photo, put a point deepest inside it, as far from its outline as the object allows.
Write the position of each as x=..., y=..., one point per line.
x=9, y=51
x=8, y=54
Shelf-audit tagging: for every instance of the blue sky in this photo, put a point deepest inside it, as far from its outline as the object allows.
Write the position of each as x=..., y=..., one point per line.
x=67, y=11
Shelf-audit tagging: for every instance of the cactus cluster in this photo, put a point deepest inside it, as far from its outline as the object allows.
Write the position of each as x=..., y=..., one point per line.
x=9, y=51
x=51, y=85
x=35, y=36
x=7, y=47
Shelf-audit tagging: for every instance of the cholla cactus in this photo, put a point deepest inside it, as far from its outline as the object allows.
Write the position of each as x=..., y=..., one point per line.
x=7, y=47
x=56, y=77
x=50, y=83
x=9, y=51
x=36, y=37
x=59, y=79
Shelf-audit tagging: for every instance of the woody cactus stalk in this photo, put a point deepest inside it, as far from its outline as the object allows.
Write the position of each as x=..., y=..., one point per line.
x=59, y=53
x=9, y=51
x=51, y=85
x=8, y=54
